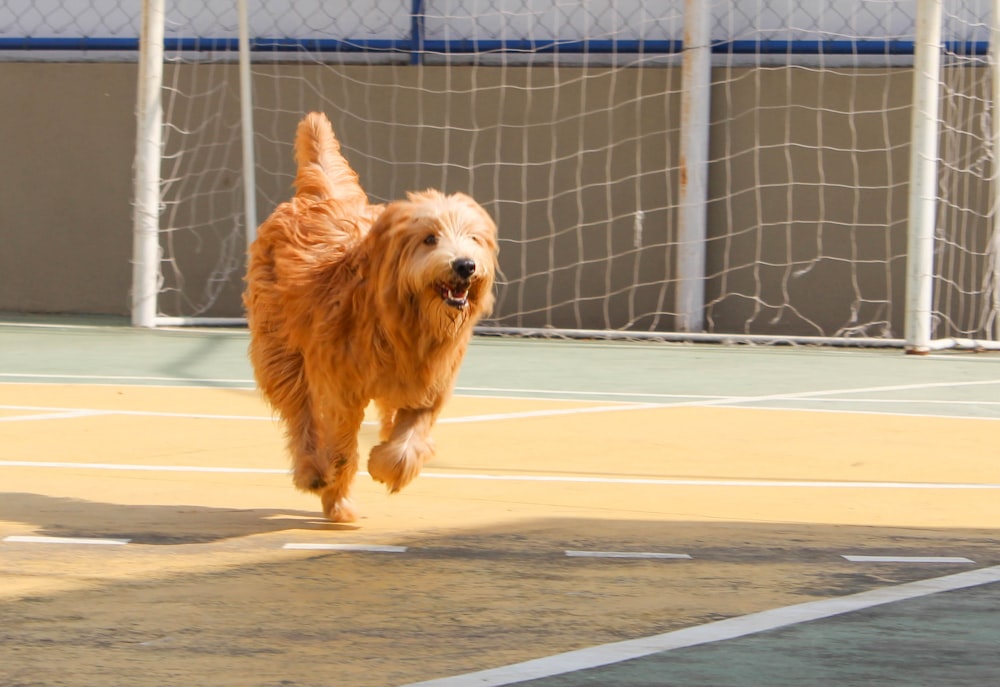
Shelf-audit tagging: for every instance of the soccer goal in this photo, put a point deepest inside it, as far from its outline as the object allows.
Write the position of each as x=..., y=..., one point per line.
x=794, y=170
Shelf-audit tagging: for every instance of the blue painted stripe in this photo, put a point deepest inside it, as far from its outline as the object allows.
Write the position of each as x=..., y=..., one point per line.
x=418, y=43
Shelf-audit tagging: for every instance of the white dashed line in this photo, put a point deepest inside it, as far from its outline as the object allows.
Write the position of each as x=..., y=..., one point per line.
x=87, y=541
x=363, y=548
x=565, y=479
x=56, y=415
x=627, y=554
x=908, y=559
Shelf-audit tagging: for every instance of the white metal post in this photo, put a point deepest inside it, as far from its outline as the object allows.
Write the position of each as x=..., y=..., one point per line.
x=246, y=122
x=146, y=217
x=995, y=147
x=696, y=86
x=923, y=178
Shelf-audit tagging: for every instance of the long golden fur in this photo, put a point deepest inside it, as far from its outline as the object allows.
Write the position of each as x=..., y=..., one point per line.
x=350, y=303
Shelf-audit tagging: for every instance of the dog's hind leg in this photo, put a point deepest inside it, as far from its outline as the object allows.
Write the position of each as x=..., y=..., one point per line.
x=339, y=452
x=281, y=378
x=308, y=465
x=398, y=459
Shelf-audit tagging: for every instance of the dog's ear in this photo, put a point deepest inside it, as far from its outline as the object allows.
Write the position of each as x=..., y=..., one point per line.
x=392, y=220
x=484, y=227
x=386, y=248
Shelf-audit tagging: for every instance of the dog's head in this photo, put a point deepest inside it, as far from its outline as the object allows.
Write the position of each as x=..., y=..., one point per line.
x=437, y=253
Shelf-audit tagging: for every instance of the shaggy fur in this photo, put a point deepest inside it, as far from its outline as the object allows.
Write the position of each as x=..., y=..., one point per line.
x=350, y=303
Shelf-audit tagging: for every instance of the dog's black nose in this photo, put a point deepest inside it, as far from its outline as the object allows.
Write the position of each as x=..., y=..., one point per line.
x=464, y=267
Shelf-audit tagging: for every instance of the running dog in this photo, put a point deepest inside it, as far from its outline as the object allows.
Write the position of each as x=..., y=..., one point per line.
x=350, y=303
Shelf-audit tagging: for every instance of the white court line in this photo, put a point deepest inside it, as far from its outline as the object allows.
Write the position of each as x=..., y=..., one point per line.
x=910, y=401
x=627, y=554
x=138, y=413
x=64, y=412
x=821, y=396
x=680, y=482
x=731, y=628
x=491, y=417
x=565, y=479
x=811, y=395
x=123, y=378
x=58, y=415
x=361, y=548
x=531, y=393
x=698, y=401
x=551, y=412
x=729, y=399
x=855, y=411
x=908, y=559
x=88, y=541
x=139, y=468
x=501, y=392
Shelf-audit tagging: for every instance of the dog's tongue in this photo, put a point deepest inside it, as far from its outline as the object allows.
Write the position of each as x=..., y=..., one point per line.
x=458, y=295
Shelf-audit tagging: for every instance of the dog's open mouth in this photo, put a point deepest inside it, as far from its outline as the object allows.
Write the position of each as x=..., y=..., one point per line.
x=456, y=295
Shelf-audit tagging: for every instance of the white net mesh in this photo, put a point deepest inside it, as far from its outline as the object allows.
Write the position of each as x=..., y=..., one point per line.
x=966, y=289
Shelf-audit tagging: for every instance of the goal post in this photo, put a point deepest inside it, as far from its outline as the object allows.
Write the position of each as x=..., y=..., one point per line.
x=696, y=84
x=146, y=170
x=813, y=171
x=922, y=217
x=248, y=159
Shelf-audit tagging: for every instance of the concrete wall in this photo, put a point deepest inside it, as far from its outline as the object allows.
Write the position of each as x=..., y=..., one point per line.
x=67, y=136
x=803, y=237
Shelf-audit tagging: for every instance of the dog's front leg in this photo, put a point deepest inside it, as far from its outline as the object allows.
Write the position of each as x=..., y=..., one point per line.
x=398, y=459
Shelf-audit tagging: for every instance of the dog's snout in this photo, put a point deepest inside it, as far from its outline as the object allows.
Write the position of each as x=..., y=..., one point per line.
x=464, y=267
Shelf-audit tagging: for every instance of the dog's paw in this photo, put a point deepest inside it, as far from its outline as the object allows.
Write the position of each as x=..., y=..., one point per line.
x=396, y=463
x=339, y=509
x=307, y=478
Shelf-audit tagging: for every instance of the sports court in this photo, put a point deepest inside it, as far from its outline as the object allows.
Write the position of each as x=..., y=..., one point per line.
x=598, y=514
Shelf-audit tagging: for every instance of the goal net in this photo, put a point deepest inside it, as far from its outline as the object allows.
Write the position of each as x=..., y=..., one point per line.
x=752, y=183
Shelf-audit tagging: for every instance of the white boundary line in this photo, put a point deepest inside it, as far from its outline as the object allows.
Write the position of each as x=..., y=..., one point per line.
x=907, y=559
x=855, y=411
x=87, y=541
x=131, y=467
x=533, y=393
x=78, y=412
x=359, y=548
x=731, y=628
x=551, y=412
x=627, y=554
x=689, y=401
x=178, y=381
x=563, y=479
x=58, y=414
x=683, y=482
x=49, y=325
x=241, y=331
x=912, y=401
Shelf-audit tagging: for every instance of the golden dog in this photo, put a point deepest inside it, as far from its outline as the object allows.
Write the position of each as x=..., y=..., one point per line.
x=350, y=303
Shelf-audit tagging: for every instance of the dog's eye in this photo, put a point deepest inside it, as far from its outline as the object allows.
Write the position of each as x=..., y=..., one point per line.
x=431, y=240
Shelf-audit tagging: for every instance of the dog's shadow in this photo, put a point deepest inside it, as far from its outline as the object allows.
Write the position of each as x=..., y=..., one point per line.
x=149, y=524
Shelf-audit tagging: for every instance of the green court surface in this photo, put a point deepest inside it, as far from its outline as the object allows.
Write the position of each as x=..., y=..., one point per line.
x=945, y=638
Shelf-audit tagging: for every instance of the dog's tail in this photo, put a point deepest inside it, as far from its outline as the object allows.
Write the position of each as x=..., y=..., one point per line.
x=323, y=172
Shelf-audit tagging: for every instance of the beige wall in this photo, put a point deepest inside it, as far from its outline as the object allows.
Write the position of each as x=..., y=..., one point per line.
x=67, y=135
x=68, y=138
